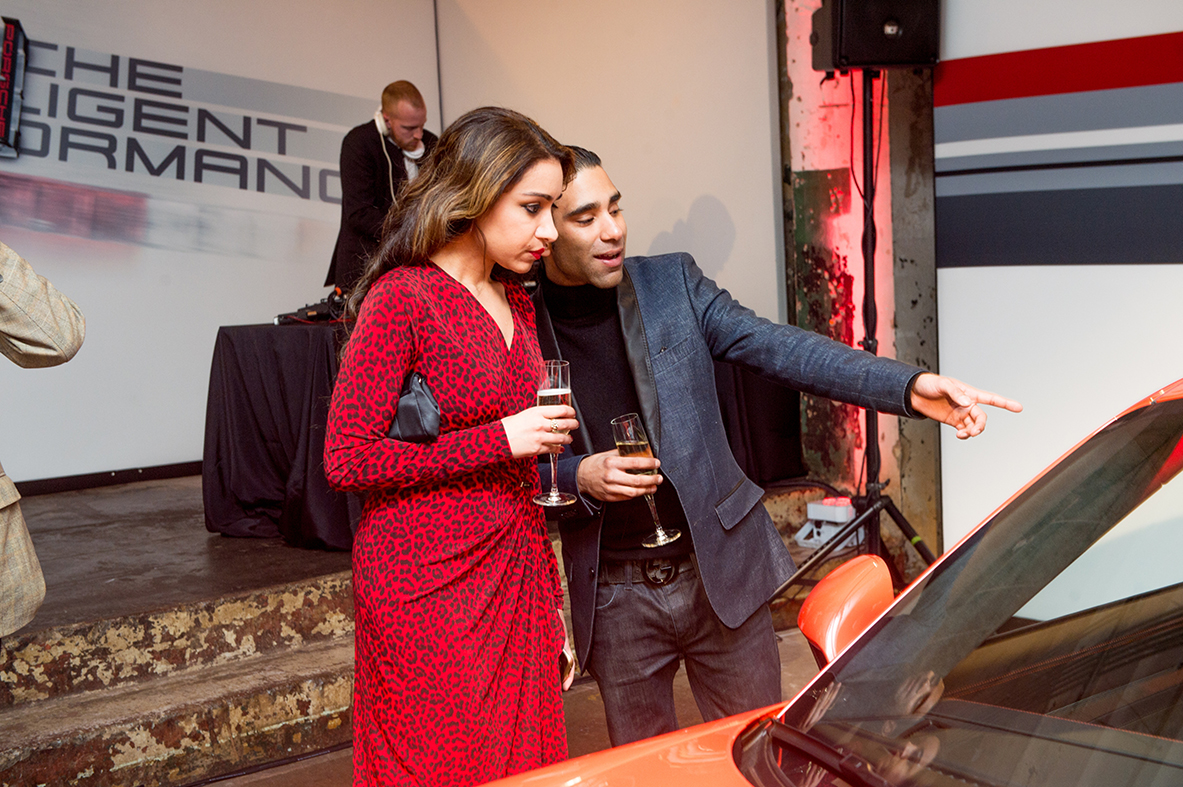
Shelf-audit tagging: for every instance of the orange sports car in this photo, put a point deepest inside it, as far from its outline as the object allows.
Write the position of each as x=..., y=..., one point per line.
x=1046, y=648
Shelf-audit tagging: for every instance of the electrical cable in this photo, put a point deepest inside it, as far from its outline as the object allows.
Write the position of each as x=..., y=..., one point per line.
x=879, y=138
x=853, y=104
x=808, y=483
x=389, y=164
x=862, y=469
x=879, y=141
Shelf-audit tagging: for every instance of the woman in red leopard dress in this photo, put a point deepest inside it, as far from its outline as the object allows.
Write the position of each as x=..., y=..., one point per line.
x=456, y=588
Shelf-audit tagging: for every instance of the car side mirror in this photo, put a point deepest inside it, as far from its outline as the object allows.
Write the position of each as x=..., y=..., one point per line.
x=843, y=604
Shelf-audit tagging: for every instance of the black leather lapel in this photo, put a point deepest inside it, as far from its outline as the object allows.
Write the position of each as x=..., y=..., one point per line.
x=637, y=348
x=581, y=438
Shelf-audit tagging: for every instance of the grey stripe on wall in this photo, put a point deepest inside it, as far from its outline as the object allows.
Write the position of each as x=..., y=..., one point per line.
x=258, y=95
x=1032, y=159
x=1135, y=225
x=1154, y=105
x=1162, y=172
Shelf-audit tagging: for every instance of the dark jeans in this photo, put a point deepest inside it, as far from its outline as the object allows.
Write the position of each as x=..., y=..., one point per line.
x=641, y=631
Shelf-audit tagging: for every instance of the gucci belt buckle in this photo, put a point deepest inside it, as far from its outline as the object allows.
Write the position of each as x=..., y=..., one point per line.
x=660, y=571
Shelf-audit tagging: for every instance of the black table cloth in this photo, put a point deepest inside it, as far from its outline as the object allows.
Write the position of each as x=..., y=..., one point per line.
x=263, y=466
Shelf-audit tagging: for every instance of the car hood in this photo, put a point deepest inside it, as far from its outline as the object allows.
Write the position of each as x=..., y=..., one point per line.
x=695, y=755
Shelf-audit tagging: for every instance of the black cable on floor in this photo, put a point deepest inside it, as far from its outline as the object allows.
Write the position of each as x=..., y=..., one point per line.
x=805, y=483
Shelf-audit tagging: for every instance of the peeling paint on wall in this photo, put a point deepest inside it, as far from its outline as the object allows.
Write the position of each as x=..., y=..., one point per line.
x=830, y=432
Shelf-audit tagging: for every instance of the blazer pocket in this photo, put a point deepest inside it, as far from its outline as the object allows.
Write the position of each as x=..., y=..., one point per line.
x=738, y=504
x=665, y=357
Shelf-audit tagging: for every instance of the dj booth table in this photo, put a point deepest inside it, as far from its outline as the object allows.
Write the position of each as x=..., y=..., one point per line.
x=263, y=467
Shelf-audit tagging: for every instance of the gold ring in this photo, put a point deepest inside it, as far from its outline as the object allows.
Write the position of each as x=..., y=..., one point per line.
x=554, y=426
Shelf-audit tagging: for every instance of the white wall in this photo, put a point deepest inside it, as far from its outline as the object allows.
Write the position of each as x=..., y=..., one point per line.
x=1075, y=345
x=212, y=254
x=678, y=99
x=972, y=27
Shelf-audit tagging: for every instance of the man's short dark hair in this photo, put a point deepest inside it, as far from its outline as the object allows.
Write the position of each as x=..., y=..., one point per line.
x=584, y=158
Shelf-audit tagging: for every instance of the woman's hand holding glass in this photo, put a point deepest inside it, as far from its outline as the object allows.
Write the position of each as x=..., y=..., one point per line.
x=539, y=430
x=554, y=388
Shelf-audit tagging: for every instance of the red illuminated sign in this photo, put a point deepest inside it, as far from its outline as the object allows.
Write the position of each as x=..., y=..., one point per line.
x=7, y=65
x=12, y=66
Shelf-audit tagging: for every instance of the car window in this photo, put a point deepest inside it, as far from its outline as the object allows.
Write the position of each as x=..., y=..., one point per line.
x=1047, y=649
x=1143, y=553
x=1102, y=643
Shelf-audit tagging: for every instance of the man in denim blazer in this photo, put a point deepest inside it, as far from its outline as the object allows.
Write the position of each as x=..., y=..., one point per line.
x=38, y=327
x=674, y=321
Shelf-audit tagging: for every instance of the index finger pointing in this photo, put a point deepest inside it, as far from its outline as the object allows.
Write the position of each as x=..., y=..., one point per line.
x=994, y=400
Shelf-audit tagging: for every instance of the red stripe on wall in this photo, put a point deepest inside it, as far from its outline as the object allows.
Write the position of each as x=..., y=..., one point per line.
x=1102, y=65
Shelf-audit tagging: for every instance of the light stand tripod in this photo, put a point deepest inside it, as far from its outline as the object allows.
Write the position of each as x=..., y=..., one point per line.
x=874, y=500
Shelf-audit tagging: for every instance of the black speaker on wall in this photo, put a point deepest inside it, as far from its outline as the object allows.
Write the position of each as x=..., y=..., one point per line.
x=875, y=34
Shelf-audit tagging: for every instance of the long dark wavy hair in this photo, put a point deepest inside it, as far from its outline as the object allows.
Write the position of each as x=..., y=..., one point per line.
x=478, y=158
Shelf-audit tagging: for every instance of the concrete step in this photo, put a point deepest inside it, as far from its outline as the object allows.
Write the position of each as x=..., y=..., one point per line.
x=186, y=726
x=181, y=693
x=105, y=654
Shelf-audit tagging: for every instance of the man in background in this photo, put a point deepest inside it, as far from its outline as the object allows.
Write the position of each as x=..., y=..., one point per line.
x=376, y=158
x=38, y=327
x=641, y=335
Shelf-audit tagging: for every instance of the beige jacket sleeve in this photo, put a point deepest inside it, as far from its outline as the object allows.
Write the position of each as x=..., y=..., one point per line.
x=38, y=325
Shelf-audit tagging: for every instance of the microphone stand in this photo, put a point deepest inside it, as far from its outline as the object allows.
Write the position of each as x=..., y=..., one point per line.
x=869, y=505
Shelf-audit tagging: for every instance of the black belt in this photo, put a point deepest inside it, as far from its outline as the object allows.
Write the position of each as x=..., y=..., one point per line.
x=654, y=571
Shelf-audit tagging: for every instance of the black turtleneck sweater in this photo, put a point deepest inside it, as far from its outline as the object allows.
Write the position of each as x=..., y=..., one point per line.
x=587, y=328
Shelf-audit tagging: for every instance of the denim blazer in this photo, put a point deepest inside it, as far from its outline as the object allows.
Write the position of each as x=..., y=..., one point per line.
x=675, y=320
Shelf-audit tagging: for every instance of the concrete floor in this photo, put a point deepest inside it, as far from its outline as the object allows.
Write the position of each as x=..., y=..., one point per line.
x=121, y=550
x=128, y=549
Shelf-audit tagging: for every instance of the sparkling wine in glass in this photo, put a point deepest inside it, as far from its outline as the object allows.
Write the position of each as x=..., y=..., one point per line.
x=631, y=440
x=555, y=388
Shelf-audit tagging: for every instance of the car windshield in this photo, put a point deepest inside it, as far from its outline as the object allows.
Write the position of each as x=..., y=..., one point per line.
x=1046, y=650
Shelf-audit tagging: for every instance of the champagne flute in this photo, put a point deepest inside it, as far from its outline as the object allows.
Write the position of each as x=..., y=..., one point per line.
x=631, y=440
x=555, y=388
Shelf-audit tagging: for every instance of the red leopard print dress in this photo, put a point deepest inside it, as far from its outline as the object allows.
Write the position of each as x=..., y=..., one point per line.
x=455, y=584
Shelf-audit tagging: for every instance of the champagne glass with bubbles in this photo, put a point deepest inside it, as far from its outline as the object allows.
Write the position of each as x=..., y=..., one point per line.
x=555, y=388
x=631, y=440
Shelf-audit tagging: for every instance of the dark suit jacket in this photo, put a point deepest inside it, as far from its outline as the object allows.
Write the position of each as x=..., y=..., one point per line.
x=367, y=181
x=675, y=321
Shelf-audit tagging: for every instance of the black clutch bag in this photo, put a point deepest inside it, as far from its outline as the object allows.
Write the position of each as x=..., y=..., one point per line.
x=417, y=419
